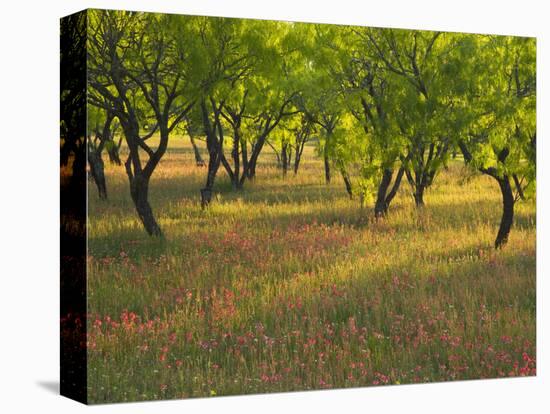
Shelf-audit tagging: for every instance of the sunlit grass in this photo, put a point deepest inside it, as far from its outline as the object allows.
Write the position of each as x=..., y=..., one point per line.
x=289, y=285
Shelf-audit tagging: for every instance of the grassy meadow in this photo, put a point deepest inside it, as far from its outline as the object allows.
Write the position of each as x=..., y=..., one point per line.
x=290, y=285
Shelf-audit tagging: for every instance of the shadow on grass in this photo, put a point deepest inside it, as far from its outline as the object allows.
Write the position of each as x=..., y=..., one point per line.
x=441, y=216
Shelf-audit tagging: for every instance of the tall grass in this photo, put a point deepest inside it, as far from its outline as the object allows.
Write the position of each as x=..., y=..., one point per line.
x=289, y=285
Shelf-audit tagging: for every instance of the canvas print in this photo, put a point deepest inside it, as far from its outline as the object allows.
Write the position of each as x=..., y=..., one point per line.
x=253, y=206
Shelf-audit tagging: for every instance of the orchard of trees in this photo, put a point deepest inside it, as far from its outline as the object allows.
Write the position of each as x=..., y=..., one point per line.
x=386, y=108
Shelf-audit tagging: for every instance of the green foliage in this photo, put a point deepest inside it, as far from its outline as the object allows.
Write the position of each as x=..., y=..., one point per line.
x=374, y=99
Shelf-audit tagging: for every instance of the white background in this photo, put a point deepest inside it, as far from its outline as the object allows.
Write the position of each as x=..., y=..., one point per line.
x=29, y=203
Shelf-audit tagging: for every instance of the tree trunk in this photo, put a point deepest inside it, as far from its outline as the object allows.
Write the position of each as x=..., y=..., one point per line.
x=507, y=219
x=214, y=144
x=206, y=192
x=113, y=152
x=255, y=154
x=213, y=166
x=284, y=158
x=380, y=204
x=198, y=159
x=419, y=196
x=391, y=195
x=327, y=167
x=297, y=157
x=289, y=157
x=347, y=182
x=519, y=188
x=244, y=156
x=236, y=182
x=97, y=171
x=139, y=190
x=251, y=175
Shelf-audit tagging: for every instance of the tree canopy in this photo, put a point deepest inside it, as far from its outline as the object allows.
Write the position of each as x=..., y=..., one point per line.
x=382, y=105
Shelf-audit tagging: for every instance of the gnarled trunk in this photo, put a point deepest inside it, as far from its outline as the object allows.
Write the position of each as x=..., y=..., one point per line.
x=113, y=152
x=419, y=196
x=244, y=156
x=347, y=182
x=507, y=218
x=284, y=158
x=297, y=158
x=97, y=170
x=139, y=190
x=199, y=162
x=327, y=167
x=206, y=192
x=214, y=144
x=235, y=181
x=380, y=207
x=251, y=172
x=393, y=192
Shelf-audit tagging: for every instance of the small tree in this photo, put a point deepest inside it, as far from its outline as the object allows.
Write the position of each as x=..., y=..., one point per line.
x=501, y=139
x=424, y=63
x=140, y=70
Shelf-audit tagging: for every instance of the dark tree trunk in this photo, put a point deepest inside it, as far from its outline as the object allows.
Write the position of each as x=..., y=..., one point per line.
x=508, y=199
x=507, y=219
x=299, y=151
x=257, y=146
x=244, y=156
x=97, y=170
x=296, y=162
x=113, y=152
x=297, y=158
x=284, y=158
x=418, y=184
x=251, y=175
x=214, y=143
x=396, y=184
x=519, y=188
x=419, y=196
x=289, y=157
x=279, y=163
x=380, y=207
x=327, y=167
x=206, y=197
x=236, y=182
x=255, y=154
x=206, y=192
x=139, y=190
x=198, y=159
x=95, y=158
x=347, y=182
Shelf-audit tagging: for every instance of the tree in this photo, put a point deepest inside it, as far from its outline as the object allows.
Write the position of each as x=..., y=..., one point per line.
x=424, y=63
x=501, y=137
x=371, y=93
x=96, y=146
x=270, y=91
x=140, y=69
x=320, y=97
x=73, y=98
x=292, y=135
x=193, y=129
x=302, y=129
x=102, y=126
x=244, y=94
